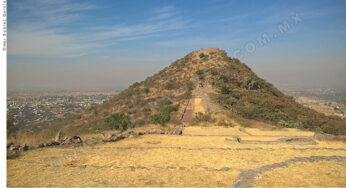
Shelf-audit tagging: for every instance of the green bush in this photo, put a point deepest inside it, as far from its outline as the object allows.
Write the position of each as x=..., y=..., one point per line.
x=223, y=78
x=164, y=115
x=136, y=84
x=160, y=118
x=201, y=55
x=287, y=124
x=165, y=101
x=188, y=94
x=119, y=119
x=123, y=125
x=169, y=85
x=169, y=109
x=146, y=90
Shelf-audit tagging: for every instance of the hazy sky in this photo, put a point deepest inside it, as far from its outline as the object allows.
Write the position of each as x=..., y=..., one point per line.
x=97, y=45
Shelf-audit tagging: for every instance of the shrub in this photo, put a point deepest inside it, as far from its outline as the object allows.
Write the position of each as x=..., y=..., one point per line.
x=146, y=90
x=117, y=121
x=214, y=71
x=165, y=101
x=137, y=90
x=188, y=85
x=200, y=117
x=123, y=125
x=160, y=118
x=169, y=109
x=146, y=109
x=188, y=94
x=200, y=74
x=129, y=94
x=223, y=78
x=287, y=124
x=225, y=90
x=140, y=101
x=201, y=55
x=136, y=84
x=169, y=85
x=164, y=115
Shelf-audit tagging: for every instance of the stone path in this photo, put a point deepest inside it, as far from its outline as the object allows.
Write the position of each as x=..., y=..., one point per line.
x=201, y=167
x=247, y=178
x=188, y=114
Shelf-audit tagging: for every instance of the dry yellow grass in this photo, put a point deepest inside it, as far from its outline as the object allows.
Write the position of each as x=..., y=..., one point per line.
x=213, y=131
x=283, y=132
x=302, y=174
x=167, y=160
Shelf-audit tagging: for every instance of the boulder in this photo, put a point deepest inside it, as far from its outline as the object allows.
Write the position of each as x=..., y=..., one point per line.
x=42, y=145
x=53, y=143
x=73, y=140
x=76, y=140
x=9, y=145
x=23, y=147
x=13, y=147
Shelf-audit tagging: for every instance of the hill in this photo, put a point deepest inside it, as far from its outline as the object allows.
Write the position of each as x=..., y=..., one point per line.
x=205, y=87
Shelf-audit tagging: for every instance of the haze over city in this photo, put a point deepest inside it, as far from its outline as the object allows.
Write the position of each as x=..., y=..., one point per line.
x=107, y=45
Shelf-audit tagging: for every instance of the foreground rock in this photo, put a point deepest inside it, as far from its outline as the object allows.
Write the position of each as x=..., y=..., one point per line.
x=13, y=149
x=73, y=140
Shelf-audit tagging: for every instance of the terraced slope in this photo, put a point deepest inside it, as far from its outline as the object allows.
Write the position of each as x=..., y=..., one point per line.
x=202, y=156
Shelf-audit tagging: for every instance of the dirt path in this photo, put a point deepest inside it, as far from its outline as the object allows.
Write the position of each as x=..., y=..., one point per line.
x=247, y=178
x=202, y=91
x=200, y=102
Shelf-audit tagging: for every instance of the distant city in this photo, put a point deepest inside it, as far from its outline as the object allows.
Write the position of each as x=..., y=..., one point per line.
x=329, y=101
x=29, y=109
